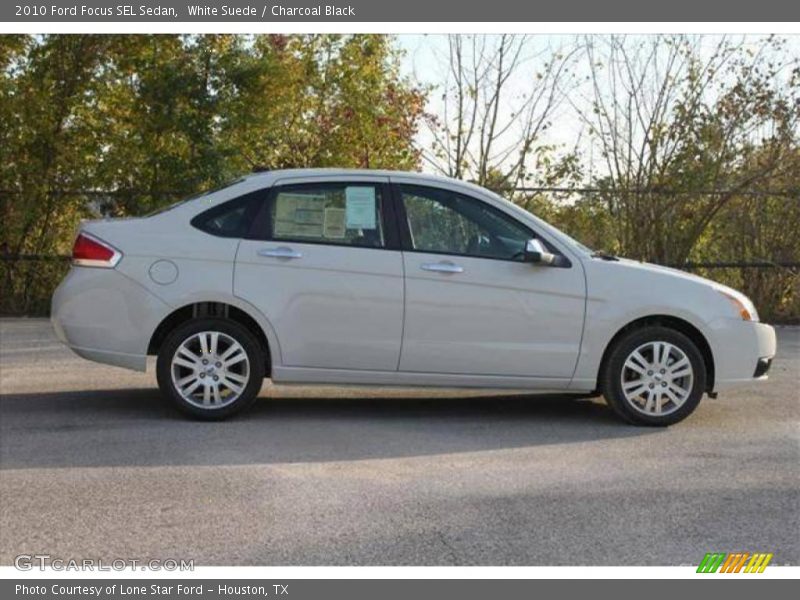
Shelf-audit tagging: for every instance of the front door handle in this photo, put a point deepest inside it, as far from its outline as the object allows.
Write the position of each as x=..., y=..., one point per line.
x=280, y=252
x=444, y=266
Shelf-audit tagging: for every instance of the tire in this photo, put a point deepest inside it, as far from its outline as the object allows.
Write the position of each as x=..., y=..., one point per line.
x=645, y=389
x=235, y=368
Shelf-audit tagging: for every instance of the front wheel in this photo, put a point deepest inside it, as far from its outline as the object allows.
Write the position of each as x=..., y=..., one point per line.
x=210, y=368
x=654, y=376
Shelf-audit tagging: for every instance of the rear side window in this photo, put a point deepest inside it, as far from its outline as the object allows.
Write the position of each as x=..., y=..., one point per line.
x=348, y=214
x=231, y=219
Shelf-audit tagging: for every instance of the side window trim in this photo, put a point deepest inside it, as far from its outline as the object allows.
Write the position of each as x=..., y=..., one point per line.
x=261, y=225
x=406, y=241
x=405, y=230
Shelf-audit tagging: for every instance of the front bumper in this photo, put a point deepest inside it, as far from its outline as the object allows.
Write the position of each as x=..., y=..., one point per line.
x=762, y=367
x=743, y=351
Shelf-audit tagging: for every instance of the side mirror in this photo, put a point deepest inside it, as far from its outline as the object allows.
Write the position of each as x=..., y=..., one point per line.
x=536, y=253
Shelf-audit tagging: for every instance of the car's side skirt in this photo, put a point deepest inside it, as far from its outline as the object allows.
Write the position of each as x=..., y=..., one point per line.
x=400, y=378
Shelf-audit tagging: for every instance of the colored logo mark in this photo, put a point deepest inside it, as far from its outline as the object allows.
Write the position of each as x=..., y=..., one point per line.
x=735, y=562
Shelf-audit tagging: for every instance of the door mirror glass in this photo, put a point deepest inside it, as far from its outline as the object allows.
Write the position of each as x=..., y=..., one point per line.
x=536, y=253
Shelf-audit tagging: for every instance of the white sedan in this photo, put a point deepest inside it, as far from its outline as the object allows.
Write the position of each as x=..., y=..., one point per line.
x=387, y=278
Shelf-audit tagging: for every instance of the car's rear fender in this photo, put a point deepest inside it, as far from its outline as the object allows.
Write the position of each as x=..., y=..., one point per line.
x=105, y=316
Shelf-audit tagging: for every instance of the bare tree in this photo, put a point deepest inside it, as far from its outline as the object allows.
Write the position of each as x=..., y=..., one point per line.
x=499, y=96
x=687, y=115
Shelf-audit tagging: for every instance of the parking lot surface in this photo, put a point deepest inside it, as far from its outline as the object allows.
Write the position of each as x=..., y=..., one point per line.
x=94, y=465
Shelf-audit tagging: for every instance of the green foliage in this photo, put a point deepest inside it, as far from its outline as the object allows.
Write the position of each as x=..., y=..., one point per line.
x=322, y=101
x=120, y=125
x=138, y=121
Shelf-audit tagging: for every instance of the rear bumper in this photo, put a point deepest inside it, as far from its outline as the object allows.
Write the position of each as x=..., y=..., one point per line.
x=104, y=316
x=743, y=351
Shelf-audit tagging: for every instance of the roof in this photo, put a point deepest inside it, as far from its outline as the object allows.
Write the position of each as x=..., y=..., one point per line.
x=269, y=175
x=337, y=171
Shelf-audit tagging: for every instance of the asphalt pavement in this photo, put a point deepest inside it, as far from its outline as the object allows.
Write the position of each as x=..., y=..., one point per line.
x=94, y=465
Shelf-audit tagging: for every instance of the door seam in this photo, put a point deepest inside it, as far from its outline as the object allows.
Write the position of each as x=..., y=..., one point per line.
x=403, y=321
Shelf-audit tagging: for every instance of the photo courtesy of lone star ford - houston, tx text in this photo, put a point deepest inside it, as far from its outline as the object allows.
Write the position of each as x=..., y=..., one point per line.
x=398, y=299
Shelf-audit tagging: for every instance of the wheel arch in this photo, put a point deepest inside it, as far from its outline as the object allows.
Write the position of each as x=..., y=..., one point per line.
x=215, y=309
x=678, y=324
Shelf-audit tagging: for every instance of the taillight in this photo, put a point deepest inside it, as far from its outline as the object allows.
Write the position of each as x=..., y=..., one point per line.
x=89, y=251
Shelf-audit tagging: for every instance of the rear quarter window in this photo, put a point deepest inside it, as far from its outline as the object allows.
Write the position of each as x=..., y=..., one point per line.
x=231, y=219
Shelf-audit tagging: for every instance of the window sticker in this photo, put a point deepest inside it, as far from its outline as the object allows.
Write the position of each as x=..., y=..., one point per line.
x=333, y=227
x=360, y=207
x=299, y=215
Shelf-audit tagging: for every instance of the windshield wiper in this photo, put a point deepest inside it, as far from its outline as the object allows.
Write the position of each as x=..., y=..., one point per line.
x=603, y=255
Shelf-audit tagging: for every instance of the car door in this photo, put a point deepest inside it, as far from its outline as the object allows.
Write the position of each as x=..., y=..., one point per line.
x=472, y=305
x=325, y=268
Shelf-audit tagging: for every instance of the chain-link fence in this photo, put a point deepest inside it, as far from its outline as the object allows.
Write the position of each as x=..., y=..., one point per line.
x=28, y=280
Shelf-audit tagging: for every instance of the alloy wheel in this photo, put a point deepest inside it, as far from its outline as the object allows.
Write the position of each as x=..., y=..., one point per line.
x=210, y=369
x=657, y=378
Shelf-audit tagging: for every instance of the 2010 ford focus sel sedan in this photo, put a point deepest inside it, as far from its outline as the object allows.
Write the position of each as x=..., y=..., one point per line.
x=388, y=278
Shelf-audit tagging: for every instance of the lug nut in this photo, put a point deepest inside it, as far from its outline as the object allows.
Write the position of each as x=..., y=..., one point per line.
x=649, y=372
x=205, y=361
x=202, y=375
x=216, y=378
x=652, y=385
x=663, y=384
x=663, y=371
x=218, y=365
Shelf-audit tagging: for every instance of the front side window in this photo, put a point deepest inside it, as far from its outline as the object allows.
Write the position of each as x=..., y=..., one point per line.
x=333, y=213
x=440, y=221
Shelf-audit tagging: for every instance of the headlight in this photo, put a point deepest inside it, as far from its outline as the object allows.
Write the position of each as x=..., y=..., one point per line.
x=746, y=310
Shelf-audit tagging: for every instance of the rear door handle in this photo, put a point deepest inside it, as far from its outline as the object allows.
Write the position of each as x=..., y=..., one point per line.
x=444, y=266
x=280, y=252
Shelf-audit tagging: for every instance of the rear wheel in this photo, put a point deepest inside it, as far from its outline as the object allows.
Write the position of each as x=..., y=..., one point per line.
x=654, y=376
x=210, y=368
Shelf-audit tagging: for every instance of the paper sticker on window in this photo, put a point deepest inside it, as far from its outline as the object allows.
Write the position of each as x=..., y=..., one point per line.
x=360, y=207
x=298, y=214
x=334, y=223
